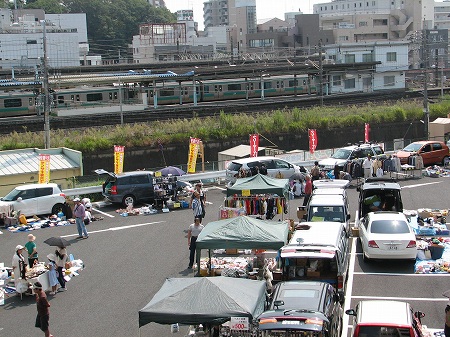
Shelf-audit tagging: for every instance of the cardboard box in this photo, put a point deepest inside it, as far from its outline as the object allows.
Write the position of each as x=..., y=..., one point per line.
x=231, y=251
x=311, y=273
x=301, y=262
x=277, y=275
x=355, y=231
x=301, y=211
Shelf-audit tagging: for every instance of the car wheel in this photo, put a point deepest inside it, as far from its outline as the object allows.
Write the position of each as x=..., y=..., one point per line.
x=129, y=199
x=446, y=161
x=57, y=208
x=365, y=258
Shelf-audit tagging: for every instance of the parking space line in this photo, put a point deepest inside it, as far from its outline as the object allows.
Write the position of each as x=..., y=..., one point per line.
x=400, y=274
x=117, y=228
x=104, y=213
x=348, y=291
x=420, y=185
x=401, y=298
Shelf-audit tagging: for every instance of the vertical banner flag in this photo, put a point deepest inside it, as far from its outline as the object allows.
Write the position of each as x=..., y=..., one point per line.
x=119, y=154
x=193, y=154
x=366, y=132
x=312, y=140
x=44, y=168
x=254, y=145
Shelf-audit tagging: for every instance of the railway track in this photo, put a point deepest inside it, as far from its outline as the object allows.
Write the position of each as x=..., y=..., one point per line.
x=35, y=123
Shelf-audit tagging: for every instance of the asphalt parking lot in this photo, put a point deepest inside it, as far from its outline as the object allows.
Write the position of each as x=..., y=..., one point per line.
x=127, y=260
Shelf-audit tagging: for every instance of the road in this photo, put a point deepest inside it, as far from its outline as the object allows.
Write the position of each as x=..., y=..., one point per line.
x=128, y=258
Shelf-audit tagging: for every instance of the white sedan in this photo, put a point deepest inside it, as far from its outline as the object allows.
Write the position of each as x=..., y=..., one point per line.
x=387, y=235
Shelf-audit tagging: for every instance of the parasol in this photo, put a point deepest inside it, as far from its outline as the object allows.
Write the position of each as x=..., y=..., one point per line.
x=57, y=241
x=175, y=171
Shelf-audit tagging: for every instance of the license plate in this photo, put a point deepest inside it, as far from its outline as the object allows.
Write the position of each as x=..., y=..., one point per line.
x=392, y=247
x=290, y=322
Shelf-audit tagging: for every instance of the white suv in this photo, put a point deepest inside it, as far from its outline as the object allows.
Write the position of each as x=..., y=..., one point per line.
x=341, y=156
x=34, y=199
x=276, y=167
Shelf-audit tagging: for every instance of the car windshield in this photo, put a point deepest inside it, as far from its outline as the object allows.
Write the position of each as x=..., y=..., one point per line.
x=11, y=196
x=377, y=331
x=341, y=154
x=389, y=227
x=413, y=147
x=234, y=166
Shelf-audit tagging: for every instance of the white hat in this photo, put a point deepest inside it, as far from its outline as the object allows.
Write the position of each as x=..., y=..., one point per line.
x=76, y=199
x=31, y=237
x=19, y=247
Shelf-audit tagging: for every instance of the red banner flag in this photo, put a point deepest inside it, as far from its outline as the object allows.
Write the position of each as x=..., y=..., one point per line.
x=312, y=140
x=254, y=145
x=366, y=132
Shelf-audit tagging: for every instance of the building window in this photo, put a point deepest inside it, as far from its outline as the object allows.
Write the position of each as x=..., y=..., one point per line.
x=343, y=38
x=349, y=84
x=389, y=81
x=337, y=80
x=363, y=24
x=391, y=56
x=367, y=58
x=350, y=58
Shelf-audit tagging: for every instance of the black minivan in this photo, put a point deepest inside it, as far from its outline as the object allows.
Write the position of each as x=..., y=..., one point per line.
x=128, y=187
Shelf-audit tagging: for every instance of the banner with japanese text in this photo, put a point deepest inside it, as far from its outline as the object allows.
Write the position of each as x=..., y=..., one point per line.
x=366, y=132
x=194, y=144
x=312, y=133
x=254, y=145
x=44, y=168
x=119, y=154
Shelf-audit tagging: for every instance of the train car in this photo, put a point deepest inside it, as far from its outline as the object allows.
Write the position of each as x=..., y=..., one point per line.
x=227, y=89
x=18, y=103
x=21, y=103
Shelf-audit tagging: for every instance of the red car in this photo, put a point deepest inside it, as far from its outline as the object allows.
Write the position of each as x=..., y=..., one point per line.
x=432, y=152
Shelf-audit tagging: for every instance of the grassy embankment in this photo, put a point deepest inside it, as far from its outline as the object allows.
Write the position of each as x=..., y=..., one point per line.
x=225, y=126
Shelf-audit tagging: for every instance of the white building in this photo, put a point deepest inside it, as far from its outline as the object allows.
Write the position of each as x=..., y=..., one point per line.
x=390, y=74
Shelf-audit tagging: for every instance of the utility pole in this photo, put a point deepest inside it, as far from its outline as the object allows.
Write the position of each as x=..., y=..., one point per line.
x=320, y=73
x=425, y=83
x=46, y=90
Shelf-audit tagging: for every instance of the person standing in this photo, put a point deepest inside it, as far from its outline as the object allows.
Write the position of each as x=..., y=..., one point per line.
x=43, y=313
x=196, y=205
x=336, y=171
x=60, y=261
x=367, y=166
x=193, y=232
x=308, y=190
x=52, y=274
x=202, y=196
x=79, y=212
x=18, y=266
x=447, y=320
x=297, y=189
x=315, y=171
x=31, y=249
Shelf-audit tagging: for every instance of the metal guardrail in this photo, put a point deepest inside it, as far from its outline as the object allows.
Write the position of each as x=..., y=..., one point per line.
x=72, y=192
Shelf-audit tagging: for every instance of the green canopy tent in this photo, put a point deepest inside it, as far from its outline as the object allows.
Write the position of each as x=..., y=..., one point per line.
x=260, y=184
x=242, y=232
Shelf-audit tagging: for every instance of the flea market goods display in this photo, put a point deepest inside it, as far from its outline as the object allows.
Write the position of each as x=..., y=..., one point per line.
x=39, y=273
x=36, y=223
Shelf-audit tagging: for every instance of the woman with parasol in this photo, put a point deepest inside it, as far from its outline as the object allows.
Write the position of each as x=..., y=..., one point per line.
x=61, y=258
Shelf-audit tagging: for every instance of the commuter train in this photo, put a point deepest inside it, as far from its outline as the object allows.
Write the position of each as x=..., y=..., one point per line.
x=30, y=102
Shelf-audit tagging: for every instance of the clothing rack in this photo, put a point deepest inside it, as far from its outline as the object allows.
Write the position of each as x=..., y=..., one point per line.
x=266, y=204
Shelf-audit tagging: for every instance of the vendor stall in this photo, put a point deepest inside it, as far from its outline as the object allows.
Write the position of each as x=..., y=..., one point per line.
x=242, y=232
x=260, y=196
x=206, y=300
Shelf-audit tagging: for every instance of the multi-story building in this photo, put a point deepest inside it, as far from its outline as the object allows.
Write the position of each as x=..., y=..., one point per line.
x=238, y=15
x=22, y=39
x=388, y=75
x=375, y=20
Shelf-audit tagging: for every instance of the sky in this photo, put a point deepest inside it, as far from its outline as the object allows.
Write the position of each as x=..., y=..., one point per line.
x=265, y=9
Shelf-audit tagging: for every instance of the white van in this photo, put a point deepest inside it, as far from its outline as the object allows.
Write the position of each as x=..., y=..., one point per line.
x=276, y=167
x=317, y=251
x=329, y=203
